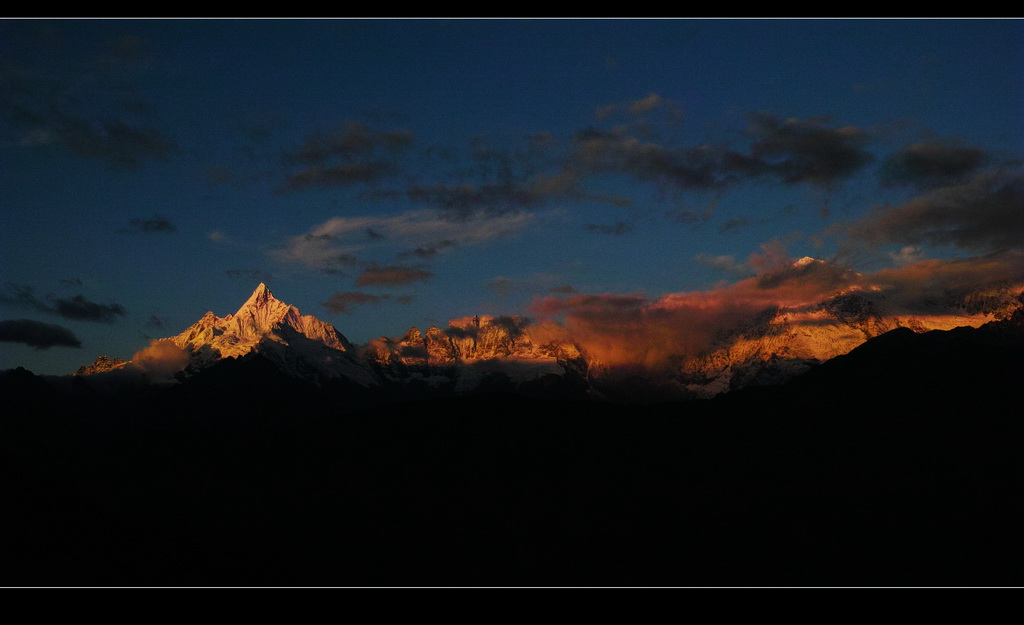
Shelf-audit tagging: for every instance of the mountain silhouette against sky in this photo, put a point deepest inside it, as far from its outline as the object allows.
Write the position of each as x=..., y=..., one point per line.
x=770, y=345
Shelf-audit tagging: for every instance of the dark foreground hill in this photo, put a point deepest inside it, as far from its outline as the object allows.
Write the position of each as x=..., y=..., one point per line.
x=898, y=464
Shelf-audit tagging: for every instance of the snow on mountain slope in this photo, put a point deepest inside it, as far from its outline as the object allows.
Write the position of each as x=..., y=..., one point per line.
x=471, y=350
x=300, y=345
x=787, y=341
x=513, y=353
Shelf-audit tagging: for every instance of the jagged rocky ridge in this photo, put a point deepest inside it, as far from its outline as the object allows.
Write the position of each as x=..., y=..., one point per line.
x=787, y=341
x=101, y=365
x=486, y=353
x=474, y=353
x=300, y=345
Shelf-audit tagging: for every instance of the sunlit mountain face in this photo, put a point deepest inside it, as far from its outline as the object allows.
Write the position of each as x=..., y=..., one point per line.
x=683, y=346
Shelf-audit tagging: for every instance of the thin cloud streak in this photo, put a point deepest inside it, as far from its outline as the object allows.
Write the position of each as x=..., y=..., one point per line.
x=392, y=275
x=76, y=308
x=347, y=301
x=336, y=240
x=157, y=224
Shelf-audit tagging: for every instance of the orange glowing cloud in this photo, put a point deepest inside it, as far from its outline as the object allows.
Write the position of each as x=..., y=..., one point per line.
x=637, y=331
x=160, y=360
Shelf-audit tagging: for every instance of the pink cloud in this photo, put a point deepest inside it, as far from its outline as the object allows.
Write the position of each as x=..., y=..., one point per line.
x=637, y=331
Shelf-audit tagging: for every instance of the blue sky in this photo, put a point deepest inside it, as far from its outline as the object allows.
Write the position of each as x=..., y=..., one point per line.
x=381, y=174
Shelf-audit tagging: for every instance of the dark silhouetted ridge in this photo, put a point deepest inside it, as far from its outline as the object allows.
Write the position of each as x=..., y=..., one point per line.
x=896, y=465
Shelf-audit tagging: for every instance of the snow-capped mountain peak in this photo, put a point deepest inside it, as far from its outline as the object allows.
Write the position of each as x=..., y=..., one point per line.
x=485, y=352
x=262, y=312
x=260, y=297
x=301, y=345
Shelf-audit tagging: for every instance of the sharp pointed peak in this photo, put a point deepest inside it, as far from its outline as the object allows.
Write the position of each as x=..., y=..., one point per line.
x=262, y=293
x=260, y=298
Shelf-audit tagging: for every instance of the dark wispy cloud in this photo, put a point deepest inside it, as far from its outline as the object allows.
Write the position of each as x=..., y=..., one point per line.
x=791, y=151
x=687, y=215
x=801, y=150
x=22, y=296
x=652, y=102
x=81, y=309
x=613, y=152
x=984, y=214
x=931, y=164
x=501, y=285
x=345, y=302
x=512, y=193
x=393, y=275
x=917, y=286
x=467, y=197
x=497, y=176
x=724, y=262
x=37, y=334
x=121, y=144
x=351, y=140
x=618, y=228
x=76, y=308
x=734, y=224
x=339, y=174
x=533, y=283
x=87, y=103
x=426, y=252
x=156, y=224
x=349, y=154
x=563, y=289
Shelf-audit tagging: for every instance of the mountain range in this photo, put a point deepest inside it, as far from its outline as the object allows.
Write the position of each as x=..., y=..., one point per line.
x=486, y=353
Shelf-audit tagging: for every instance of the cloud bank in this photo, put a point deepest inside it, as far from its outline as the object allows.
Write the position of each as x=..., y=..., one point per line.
x=983, y=214
x=635, y=331
x=37, y=334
